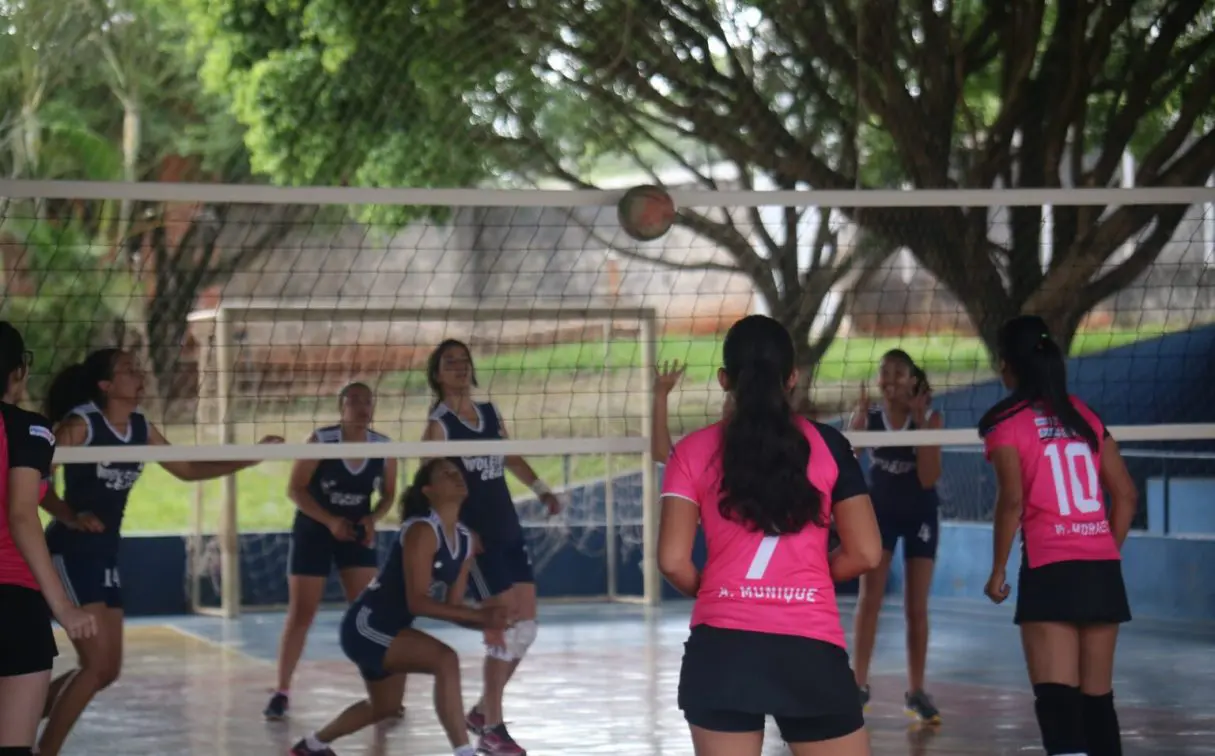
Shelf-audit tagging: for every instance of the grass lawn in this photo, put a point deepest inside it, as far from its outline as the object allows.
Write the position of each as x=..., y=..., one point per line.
x=162, y=504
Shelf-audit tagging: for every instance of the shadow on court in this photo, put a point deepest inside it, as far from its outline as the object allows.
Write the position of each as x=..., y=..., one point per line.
x=602, y=680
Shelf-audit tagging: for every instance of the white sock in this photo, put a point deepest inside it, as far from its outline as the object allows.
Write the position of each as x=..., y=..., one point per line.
x=314, y=743
x=465, y=750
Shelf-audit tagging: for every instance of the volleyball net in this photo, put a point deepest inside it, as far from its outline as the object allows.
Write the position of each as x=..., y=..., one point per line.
x=250, y=307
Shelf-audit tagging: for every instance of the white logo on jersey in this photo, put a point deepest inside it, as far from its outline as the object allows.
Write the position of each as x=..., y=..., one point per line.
x=491, y=468
x=438, y=590
x=893, y=466
x=341, y=499
x=116, y=478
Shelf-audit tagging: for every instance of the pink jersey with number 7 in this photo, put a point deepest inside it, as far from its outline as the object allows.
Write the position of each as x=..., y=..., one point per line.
x=768, y=584
x=1063, y=510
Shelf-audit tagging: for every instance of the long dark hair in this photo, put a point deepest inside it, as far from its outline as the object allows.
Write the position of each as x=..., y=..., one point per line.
x=1036, y=362
x=12, y=353
x=77, y=384
x=436, y=359
x=413, y=501
x=764, y=451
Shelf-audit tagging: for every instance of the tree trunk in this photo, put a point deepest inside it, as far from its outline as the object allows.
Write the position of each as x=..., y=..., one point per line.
x=806, y=357
x=132, y=142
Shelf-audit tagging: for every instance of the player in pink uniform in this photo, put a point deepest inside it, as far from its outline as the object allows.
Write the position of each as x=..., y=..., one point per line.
x=1052, y=457
x=766, y=636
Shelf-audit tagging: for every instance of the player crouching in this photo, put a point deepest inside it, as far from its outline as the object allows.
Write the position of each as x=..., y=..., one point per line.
x=425, y=576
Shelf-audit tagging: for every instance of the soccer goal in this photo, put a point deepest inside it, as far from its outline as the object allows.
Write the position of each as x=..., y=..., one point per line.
x=251, y=307
x=221, y=554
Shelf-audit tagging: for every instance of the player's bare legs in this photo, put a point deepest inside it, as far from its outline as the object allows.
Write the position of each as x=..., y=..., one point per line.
x=23, y=697
x=915, y=607
x=865, y=621
x=100, y=662
x=304, y=594
x=1101, y=728
x=411, y=651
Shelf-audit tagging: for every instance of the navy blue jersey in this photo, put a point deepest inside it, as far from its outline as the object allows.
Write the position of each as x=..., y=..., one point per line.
x=892, y=469
x=382, y=606
x=489, y=509
x=102, y=488
x=341, y=489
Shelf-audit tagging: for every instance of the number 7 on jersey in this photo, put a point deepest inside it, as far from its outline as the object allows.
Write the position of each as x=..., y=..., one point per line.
x=763, y=555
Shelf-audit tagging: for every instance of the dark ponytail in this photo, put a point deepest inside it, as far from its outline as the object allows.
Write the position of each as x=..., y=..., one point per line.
x=1036, y=362
x=436, y=360
x=12, y=353
x=413, y=501
x=765, y=453
x=78, y=384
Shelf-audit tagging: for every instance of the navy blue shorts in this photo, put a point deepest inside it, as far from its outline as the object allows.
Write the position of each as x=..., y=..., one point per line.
x=919, y=525
x=90, y=578
x=500, y=566
x=363, y=644
x=315, y=552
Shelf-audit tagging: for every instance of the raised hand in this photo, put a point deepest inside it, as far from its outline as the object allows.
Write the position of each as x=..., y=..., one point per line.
x=667, y=375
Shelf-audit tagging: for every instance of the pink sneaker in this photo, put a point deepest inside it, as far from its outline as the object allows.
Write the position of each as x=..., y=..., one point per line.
x=475, y=721
x=496, y=741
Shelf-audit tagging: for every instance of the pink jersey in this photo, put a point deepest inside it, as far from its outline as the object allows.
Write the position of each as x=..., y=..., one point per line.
x=769, y=584
x=1063, y=514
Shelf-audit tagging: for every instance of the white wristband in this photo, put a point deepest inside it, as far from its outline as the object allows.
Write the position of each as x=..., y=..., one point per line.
x=540, y=488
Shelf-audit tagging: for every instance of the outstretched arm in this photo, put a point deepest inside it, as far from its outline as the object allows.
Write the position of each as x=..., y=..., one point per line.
x=194, y=470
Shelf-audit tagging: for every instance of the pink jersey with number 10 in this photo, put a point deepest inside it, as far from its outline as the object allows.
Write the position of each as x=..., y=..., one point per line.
x=767, y=584
x=1063, y=511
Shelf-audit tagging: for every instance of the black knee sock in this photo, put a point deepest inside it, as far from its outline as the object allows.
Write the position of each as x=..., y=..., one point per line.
x=1101, y=726
x=1060, y=711
x=16, y=751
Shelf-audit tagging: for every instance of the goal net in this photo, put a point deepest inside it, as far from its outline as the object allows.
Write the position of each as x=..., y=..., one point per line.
x=251, y=307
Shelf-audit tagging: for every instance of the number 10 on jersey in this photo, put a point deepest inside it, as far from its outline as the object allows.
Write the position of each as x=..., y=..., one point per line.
x=1075, y=474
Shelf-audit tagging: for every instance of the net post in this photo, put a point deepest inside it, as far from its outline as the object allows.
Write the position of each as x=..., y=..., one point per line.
x=197, y=518
x=609, y=519
x=229, y=539
x=651, y=579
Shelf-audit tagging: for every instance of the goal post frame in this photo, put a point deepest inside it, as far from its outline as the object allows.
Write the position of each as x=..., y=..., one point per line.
x=227, y=313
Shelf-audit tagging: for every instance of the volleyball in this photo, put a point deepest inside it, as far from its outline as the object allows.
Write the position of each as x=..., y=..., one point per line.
x=646, y=212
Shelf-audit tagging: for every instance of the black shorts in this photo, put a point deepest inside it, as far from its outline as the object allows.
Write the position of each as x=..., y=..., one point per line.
x=27, y=642
x=1078, y=593
x=314, y=552
x=90, y=578
x=918, y=524
x=500, y=565
x=731, y=679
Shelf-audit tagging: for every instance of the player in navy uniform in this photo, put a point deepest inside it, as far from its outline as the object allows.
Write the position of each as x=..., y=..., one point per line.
x=903, y=488
x=96, y=403
x=334, y=527
x=503, y=572
x=425, y=575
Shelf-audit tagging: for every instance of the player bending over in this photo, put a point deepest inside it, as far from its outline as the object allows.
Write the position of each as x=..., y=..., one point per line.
x=766, y=635
x=902, y=484
x=503, y=572
x=96, y=403
x=425, y=576
x=1052, y=457
x=30, y=589
x=334, y=527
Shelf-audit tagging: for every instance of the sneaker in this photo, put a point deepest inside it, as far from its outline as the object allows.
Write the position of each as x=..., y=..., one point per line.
x=277, y=708
x=919, y=704
x=496, y=741
x=475, y=721
x=301, y=749
x=864, y=696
